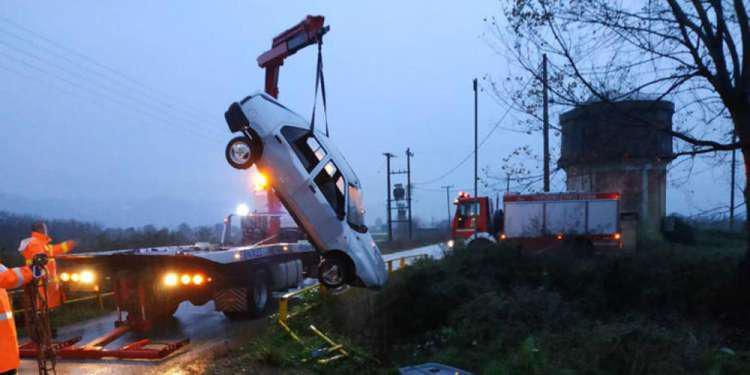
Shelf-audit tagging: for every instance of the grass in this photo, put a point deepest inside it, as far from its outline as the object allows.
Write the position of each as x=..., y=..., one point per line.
x=670, y=308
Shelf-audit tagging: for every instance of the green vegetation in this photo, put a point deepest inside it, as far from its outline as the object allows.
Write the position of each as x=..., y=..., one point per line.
x=670, y=308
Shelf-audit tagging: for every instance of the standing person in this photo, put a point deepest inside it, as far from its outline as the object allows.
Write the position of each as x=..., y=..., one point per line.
x=10, y=278
x=39, y=243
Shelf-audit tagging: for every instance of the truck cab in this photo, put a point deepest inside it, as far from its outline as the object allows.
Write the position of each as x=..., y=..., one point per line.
x=475, y=218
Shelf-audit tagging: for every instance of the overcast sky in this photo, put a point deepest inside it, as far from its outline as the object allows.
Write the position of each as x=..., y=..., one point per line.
x=122, y=102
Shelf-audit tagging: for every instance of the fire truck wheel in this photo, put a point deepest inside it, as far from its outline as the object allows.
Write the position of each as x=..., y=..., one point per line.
x=478, y=243
x=333, y=272
x=242, y=153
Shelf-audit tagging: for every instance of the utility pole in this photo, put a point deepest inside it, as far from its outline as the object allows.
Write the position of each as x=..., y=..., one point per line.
x=388, y=157
x=545, y=98
x=507, y=183
x=409, y=154
x=476, y=138
x=731, y=192
x=448, y=201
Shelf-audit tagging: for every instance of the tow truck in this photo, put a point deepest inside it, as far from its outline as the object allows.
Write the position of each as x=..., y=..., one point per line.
x=149, y=283
x=539, y=220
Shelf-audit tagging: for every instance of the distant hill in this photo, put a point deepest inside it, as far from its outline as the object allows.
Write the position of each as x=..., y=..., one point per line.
x=95, y=237
x=160, y=211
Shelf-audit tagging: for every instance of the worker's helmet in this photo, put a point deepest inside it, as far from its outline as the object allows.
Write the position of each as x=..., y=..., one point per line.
x=39, y=227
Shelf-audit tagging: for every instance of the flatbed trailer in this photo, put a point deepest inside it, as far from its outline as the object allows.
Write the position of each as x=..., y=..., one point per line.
x=150, y=283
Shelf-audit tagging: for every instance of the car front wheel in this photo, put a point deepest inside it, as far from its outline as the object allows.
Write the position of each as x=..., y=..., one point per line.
x=242, y=152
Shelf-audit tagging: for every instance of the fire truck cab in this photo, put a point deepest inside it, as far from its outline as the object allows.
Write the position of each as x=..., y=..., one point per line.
x=475, y=220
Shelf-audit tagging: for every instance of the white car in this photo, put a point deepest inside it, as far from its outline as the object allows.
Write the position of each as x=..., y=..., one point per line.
x=315, y=184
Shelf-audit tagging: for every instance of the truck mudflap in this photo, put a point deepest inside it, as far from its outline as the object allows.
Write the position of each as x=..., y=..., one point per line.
x=233, y=300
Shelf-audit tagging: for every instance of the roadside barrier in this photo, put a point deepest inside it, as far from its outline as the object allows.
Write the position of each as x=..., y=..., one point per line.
x=402, y=261
x=97, y=294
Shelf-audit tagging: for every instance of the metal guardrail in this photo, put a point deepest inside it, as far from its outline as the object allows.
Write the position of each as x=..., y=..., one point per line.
x=402, y=261
x=97, y=294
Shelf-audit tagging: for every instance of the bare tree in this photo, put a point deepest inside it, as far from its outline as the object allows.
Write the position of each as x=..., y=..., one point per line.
x=692, y=52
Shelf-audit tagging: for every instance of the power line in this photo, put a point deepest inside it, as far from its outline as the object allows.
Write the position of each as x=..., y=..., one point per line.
x=160, y=94
x=97, y=98
x=92, y=83
x=484, y=140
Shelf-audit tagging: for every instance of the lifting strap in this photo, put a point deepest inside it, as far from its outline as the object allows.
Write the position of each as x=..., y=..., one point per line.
x=319, y=81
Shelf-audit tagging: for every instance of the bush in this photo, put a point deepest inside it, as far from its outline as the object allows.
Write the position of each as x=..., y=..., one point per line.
x=678, y=230
x=495, y=310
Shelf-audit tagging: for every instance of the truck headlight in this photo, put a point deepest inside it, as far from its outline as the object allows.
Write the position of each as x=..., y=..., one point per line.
x=65, y=276
x=87, y=277
x=198, y=279
x=170, y=279
x=450, y=244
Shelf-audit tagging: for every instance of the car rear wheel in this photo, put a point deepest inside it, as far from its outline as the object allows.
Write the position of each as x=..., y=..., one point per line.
x=242, y=152
x=333, y=272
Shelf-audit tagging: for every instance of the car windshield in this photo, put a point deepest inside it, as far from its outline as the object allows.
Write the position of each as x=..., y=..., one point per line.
x=356, y=215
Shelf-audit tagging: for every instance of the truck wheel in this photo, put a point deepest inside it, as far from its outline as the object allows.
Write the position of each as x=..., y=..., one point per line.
x=259, y=299
x=261, y=294
x=333, y=272
x=242, y=153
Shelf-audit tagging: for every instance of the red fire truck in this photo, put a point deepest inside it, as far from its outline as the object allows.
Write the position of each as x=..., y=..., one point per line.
x=538, y=219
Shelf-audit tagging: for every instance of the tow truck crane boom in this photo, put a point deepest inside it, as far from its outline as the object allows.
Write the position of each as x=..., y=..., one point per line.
x=309, y=31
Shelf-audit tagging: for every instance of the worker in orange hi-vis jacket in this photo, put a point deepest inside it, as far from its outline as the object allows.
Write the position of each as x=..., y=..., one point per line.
x=39, y=243
x=10, y=278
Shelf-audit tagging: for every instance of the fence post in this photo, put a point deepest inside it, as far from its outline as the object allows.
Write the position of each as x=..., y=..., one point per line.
x=401, y=263
x=390, y=266
x=283, y=309
x=99, y=297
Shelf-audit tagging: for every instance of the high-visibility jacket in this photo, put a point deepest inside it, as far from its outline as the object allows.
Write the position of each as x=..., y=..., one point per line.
x=40, y=243
x=9, y=278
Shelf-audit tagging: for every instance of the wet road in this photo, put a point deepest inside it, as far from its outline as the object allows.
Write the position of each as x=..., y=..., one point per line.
x=210, y=334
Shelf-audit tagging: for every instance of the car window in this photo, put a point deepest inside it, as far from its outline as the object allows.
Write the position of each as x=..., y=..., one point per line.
x=331, y=184
x=305, y=146
x=356, y=214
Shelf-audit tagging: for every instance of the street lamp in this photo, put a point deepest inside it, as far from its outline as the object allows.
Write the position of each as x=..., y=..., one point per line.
x=242, y=210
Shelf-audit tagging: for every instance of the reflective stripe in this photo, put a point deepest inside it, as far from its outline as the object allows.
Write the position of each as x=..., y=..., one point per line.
x=6, y=316
x=23, y=244
x=64, y=246
x=3, y=268
x=20, y=277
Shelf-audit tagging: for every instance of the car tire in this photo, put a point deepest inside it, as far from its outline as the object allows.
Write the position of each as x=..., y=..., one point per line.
x=334, y=272
x=242, y=152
